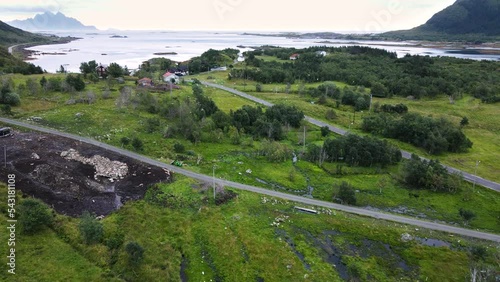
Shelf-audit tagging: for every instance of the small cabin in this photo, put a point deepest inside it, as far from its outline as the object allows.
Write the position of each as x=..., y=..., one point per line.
x=5, y=132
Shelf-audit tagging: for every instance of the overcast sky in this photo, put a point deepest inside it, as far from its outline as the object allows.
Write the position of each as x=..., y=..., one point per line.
x=241, y=15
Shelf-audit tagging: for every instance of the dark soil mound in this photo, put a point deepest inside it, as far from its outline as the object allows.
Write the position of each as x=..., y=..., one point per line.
x=69, y=186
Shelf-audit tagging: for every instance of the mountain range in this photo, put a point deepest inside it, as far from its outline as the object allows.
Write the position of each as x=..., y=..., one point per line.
x=50, y=22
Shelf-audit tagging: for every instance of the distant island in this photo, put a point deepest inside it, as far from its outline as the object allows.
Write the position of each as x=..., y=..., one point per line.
x=49, y=21
x=118, y=36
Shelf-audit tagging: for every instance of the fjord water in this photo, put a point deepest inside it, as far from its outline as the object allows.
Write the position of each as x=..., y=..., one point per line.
x=130, y=48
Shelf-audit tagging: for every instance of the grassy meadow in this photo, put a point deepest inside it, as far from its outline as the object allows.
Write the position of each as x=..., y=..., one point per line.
x=376, y=187
x=199, y=241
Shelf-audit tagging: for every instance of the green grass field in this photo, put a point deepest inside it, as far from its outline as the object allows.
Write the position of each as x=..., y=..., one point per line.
x=483, y=128
x=237, y=241
x=105, y=122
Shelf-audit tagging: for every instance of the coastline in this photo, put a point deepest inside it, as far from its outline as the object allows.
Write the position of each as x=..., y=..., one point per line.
x=27, y=55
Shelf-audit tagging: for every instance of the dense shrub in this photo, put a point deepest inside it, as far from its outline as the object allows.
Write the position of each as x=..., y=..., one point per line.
x=434, y=135
x=90, y=228
x=428, y=174
x=33, y=216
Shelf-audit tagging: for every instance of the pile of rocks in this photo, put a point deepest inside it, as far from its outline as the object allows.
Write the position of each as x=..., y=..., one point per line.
x=103, y=166
x=280, y=219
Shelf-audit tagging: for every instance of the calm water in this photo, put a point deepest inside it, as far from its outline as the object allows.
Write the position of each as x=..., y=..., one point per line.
x=140, y=46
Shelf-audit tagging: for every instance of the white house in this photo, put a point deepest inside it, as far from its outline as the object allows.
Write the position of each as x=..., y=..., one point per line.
x=169, y=77
x=320, y=53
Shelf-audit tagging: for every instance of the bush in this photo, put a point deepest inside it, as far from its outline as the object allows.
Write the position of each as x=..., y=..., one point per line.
x=90, y=229
x=179, y=148
x=137, y=144
x=467, y=215
x=33, y=216
x=430, y=175
x=135, y=253
x=10, y=98
x=325, y=131
x=258, y=87
x=115, y=241
x=125, y=141
x=346, y=194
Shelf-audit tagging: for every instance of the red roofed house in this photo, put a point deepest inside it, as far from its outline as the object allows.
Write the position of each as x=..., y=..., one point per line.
x=170, y=77
x=294, y=56
x=147, y=82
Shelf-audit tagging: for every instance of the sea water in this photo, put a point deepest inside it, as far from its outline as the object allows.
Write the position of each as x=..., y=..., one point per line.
x=131, y=48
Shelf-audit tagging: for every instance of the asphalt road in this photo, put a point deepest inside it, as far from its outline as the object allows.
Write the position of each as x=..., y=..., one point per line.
x=262, y=191
x=467, y=176
x=11, y=48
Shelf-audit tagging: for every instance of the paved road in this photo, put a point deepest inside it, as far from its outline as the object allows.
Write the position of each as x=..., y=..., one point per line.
x=11, y=48
x=262, y=191
x=467, y=176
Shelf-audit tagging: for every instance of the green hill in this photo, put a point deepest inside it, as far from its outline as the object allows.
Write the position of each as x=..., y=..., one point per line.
x=11, y=36
x=472, y=20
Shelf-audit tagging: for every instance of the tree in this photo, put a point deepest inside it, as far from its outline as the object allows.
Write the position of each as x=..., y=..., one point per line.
x=346, y=194
x=325, y=131
x=33, y=216
x=467, y=215
x=76, y=82
x=8, y=97
x=90, y=228
x=378, y=90
x=124, y=98
x=61, y=69
x=115, y=70
x=88, y=68
x=464, y=122
x=135, y=253
x=43, y=82
x=258, y=87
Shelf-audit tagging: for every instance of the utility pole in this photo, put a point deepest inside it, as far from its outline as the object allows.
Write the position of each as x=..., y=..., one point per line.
x=304, y=138
x=213, y=179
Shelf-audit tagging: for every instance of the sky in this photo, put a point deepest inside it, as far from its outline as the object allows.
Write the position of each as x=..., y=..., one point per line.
x=239, y=15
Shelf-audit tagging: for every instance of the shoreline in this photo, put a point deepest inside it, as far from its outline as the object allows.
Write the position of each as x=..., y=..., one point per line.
x=450, y=47
x=27, y=55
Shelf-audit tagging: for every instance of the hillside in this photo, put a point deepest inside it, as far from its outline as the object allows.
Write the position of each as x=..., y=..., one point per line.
x=464, y=20
x=10, y=35
x=50, y=21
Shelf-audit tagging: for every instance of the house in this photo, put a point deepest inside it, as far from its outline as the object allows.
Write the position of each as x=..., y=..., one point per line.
x=102, y=70
x=294, y=56
x=321, y=53
x=170, y=77
x=145, y=82
x=180, y=70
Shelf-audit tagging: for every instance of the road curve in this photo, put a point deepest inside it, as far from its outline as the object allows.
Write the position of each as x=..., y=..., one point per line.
x=467, y=176
x=262, y=191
